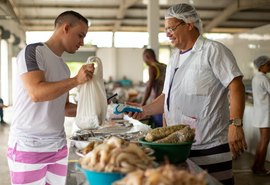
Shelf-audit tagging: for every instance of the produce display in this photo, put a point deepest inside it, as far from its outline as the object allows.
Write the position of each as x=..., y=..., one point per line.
x=164, y=175
x=184, y=135
x=116, y=155
x=162, y=132
x=171, y=134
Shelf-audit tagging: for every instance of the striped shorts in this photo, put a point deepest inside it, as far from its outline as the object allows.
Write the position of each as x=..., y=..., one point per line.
x=217, y=161
x=38, y=168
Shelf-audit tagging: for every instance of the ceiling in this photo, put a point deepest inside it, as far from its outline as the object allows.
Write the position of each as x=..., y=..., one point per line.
x=223, y=16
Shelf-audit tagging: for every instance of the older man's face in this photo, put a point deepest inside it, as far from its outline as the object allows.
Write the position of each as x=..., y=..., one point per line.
x=176, y=31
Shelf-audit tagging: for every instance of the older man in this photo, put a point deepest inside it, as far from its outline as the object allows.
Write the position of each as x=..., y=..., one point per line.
x=198, y=78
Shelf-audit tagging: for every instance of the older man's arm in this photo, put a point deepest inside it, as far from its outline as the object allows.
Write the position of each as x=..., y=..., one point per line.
x=236, y=136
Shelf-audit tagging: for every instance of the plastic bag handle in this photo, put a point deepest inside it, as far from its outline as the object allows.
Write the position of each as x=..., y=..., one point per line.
x=94, y=60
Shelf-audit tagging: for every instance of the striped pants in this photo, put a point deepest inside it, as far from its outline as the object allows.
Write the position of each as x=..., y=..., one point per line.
x=38, y=168
x=217, y=161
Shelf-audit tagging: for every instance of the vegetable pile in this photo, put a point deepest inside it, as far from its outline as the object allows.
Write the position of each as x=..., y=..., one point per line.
x=171, y=134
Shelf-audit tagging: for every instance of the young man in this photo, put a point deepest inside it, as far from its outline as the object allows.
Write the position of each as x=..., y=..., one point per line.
x=37, y=152
x=261, y=99
x=156, y=71
x=198, y=78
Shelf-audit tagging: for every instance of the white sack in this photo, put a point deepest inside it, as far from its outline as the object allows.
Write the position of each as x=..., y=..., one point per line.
x=92, y=102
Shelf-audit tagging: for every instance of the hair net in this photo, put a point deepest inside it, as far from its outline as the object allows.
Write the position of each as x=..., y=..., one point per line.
x=258, y=62
x=186, y=13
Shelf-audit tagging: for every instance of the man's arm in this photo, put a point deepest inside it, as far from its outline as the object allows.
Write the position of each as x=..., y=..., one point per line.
x=236, y=137
x=41, y=90
x=149, y=85
x=70, y=108
x=155, y=107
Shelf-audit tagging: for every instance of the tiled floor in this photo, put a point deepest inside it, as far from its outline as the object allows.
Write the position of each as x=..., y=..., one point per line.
x=241, y=166
x=4, y=177
x=242, y=172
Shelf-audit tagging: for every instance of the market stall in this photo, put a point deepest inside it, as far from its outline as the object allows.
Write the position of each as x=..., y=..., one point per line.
x=137, y=130
x=76, y=177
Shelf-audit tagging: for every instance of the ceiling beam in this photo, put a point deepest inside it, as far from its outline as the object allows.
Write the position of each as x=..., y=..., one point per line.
x=122, y=11
x=235, y=6
x=119, y=21
x=15, y=11
x=232, y=8
x=134, y=18
x=132, y=28
x=67, y=6
x=102, y=7
x=248, y=4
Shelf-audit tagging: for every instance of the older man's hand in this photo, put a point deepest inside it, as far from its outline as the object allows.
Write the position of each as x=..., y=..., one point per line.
x=236, y=139
x=136, y=115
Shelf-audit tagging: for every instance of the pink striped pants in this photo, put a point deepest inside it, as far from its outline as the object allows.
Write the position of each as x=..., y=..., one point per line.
x=38, y=168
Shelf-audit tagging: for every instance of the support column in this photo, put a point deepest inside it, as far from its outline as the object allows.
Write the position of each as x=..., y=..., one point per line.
x=114, y=62
x=10, y=41
x=0, y=62
x=153, y=24
x=4, y=63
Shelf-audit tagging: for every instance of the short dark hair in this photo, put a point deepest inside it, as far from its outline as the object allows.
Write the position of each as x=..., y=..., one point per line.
x=150, y=52
x=69, y=16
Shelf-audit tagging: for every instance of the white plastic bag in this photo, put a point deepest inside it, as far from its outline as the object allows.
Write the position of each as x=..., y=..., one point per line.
x=92, y=102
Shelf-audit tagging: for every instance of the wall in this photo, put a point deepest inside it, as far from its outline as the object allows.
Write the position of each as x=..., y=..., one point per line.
x=248, y=46
x=119, y=62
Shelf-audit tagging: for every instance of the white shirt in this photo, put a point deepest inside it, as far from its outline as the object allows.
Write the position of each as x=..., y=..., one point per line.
x=261, y=100
x=38, y=124
x=198, y=95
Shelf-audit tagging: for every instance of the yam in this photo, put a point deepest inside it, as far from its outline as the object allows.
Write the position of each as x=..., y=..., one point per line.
x=162, y=132
x=184, y=135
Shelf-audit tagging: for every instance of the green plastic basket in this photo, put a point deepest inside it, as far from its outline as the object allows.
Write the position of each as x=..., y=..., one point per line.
x=176, y=153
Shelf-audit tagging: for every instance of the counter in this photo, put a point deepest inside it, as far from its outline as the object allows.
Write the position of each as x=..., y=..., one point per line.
x=77, y=178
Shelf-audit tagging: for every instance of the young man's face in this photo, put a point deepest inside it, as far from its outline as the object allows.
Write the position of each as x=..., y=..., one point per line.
x=75, y=36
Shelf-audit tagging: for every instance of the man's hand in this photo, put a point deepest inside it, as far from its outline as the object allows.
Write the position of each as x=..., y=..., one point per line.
x=136, y=115
x=155, y=107
x=85, y=73
x=236, y=139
